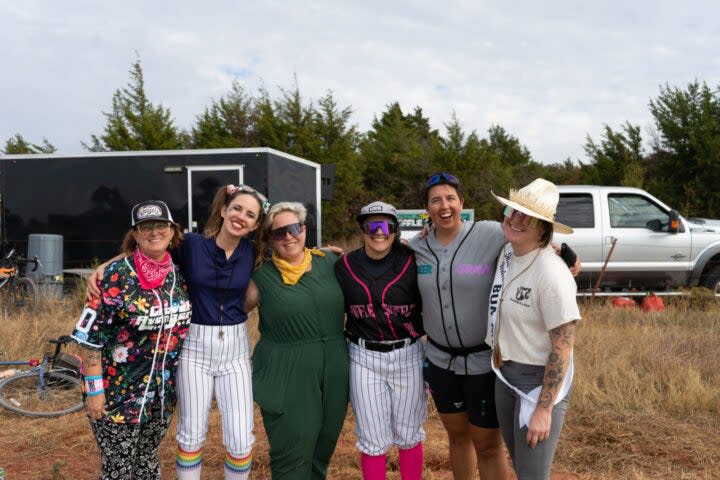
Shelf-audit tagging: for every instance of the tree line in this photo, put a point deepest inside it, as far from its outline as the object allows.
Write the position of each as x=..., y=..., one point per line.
x=393, y=158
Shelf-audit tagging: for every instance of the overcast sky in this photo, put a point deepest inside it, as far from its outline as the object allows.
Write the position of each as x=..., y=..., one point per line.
x=550, y=73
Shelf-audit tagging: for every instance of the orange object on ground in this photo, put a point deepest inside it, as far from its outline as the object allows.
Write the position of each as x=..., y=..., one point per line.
x=652, y=303
x=624, y=302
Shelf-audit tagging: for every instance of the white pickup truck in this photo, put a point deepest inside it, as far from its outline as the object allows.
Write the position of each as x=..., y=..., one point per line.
x=656, y=249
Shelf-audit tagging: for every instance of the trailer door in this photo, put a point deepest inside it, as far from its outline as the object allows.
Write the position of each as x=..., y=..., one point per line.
x=202, y=183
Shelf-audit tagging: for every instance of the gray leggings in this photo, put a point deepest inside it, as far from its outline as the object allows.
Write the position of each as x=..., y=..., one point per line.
x=529, y=463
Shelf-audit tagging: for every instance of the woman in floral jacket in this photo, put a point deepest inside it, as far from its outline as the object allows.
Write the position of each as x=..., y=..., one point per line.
x=132, y=336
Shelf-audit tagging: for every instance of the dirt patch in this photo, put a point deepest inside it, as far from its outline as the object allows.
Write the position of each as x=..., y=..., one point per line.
x=63, y=449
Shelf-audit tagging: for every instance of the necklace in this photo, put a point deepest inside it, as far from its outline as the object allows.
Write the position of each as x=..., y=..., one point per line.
x=221, y=295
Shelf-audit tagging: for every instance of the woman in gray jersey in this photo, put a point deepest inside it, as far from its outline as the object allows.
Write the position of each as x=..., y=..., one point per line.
x=456, y=264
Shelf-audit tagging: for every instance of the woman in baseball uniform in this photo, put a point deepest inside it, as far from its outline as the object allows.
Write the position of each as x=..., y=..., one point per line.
x=532, y=330
x=455, y=264
x=132, y=333
x=216, y=357
x=383, y=327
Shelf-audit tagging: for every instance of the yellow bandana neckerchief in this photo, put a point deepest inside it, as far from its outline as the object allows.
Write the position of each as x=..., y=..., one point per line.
x=291, y=274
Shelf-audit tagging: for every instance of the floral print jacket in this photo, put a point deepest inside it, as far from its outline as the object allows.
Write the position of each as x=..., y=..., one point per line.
x=140, y=333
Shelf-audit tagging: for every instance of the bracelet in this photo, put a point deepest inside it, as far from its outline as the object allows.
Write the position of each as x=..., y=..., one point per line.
x=94, y=385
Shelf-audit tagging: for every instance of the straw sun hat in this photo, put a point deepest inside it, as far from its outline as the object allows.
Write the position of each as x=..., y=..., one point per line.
x=538, y=199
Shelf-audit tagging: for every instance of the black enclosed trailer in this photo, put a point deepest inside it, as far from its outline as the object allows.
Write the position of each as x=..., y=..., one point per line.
x=86, y=198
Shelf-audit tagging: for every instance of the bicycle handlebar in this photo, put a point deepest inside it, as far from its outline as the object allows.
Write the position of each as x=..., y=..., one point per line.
x=16, y=258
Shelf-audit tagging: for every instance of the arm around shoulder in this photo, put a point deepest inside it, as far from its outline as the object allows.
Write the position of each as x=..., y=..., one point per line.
x=252, y=297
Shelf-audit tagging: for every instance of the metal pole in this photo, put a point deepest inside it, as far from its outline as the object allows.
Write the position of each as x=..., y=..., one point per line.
x=602, y=271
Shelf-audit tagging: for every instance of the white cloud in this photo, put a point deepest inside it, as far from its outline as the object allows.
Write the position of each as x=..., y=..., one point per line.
x=549, y=73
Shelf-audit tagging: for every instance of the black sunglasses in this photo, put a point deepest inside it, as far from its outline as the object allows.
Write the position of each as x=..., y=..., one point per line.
x=294, y=229
x=442, y=177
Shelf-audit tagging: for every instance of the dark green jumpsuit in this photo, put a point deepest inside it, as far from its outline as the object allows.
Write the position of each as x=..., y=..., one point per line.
x=300, y=368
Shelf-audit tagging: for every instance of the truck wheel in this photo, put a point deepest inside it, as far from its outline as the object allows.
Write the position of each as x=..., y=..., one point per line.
x=711, y=279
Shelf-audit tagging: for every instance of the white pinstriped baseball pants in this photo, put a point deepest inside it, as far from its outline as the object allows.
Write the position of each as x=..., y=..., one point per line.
x=388, y=397
x=211, y=364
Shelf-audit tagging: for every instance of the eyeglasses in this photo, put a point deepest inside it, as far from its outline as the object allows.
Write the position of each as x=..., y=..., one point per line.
x=231, y=190
x=387, y=227
x=147, y=227
x=520, y=217
x=294, y=229
x=442, y=177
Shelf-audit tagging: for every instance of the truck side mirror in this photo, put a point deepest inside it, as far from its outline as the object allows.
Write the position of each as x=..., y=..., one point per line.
x=674, y=221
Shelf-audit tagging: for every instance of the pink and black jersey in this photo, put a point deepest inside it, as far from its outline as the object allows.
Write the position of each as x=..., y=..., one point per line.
x=382, y=300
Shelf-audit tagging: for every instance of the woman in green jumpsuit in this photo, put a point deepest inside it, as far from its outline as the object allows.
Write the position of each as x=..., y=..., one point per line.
x=300, y=364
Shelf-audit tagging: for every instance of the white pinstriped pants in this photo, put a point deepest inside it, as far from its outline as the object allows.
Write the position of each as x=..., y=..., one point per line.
x=388, y=397
x=211, y=364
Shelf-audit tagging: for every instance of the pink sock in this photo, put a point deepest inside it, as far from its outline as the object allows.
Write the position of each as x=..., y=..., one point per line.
x=411, y=462
x=373, y=466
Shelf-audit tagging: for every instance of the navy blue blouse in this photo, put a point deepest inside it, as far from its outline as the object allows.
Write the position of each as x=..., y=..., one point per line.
x=216, y=285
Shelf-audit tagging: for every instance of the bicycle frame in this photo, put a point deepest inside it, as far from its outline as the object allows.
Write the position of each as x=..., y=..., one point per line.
x=49, y=388
x=42, y=366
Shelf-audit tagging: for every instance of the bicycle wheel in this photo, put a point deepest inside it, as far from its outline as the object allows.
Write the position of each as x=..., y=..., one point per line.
x=26, y=294
x=21, y=394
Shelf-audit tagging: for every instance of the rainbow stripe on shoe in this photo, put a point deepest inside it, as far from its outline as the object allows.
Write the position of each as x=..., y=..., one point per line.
x=186, y=460
x=238, y=464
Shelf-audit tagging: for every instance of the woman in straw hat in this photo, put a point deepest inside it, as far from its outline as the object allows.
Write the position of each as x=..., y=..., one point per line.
x=455, y=265
x=533, y=314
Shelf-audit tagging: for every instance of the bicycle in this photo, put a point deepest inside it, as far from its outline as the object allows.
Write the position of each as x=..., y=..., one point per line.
x=50, y=388
x=17, y=290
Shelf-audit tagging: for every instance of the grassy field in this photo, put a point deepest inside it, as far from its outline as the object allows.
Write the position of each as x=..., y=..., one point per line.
x=646, y=404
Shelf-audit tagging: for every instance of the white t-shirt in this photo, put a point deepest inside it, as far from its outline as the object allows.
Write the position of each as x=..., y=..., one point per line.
x=539, y=299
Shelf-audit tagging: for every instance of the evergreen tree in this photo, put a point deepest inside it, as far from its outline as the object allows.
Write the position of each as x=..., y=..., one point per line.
x=228, y=123
x=686, y=157
x=566, y=173
x=398, y=154
x=18, y=145
x=339, y=142
x=617, y=160
x=135, y=123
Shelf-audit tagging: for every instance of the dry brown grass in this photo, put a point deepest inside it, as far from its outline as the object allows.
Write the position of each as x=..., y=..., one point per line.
x=646, y=404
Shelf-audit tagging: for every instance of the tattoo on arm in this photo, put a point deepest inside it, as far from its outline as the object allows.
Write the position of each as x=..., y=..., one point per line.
x=562, y=339
x=92, y=358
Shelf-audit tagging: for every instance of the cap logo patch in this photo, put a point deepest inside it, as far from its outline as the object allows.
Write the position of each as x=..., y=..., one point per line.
x=375, y=208
x=148, y=211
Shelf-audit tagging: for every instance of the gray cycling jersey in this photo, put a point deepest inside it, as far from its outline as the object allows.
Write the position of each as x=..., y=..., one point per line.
x=454, y=282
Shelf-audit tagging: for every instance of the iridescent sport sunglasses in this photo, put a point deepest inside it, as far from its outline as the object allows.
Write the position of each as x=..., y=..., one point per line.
x=294, y=229
x=442, y=177
x=387, y=227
